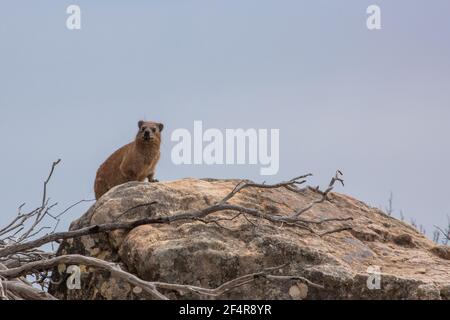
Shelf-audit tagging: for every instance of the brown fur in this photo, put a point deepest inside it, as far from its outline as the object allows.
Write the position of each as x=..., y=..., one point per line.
x=135, y=161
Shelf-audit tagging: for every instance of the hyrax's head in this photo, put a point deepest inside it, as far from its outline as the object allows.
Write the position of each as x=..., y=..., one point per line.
x=149, y=132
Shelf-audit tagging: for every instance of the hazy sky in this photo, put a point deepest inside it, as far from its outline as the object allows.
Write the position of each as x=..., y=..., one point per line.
x=375, y=104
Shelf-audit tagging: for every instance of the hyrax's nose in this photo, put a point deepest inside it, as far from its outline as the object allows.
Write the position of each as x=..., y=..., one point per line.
x=147, y=133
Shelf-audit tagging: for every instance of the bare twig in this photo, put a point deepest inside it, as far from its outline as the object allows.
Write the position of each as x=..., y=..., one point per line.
x=19, y=290
x=43, y=210
x=17, y=230
x=86, y=261
x=238, y=282
x=324, y=194
x=445, y=233
x=242, y=185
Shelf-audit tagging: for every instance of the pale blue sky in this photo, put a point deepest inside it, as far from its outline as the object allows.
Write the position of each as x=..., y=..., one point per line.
x=374, y=104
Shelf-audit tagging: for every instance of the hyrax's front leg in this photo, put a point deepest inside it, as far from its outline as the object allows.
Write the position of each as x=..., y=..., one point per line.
x=151, y=178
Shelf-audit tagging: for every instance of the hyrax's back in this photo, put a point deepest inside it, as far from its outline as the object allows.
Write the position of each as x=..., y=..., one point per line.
x=109, y=174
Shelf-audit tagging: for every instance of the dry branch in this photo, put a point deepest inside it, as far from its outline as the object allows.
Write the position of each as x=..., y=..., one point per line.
x=18, y=290
x=445, y=233
x=193, y=215
x=148, y=286
x=86, y=261
x=324, y=194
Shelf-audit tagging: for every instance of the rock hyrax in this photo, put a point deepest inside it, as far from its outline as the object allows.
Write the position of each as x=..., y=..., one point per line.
x=133, y=162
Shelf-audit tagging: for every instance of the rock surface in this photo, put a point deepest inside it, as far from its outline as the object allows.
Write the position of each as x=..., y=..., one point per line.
x=207, y=255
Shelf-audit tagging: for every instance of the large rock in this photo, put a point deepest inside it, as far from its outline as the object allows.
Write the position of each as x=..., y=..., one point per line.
x=207, y=255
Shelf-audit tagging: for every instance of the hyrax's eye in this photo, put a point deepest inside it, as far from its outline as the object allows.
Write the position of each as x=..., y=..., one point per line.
x=143, y=128
x=153, y=130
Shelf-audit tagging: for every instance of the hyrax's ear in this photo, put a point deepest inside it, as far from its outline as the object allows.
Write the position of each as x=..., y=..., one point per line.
x=140, y=123
x=161, y=127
